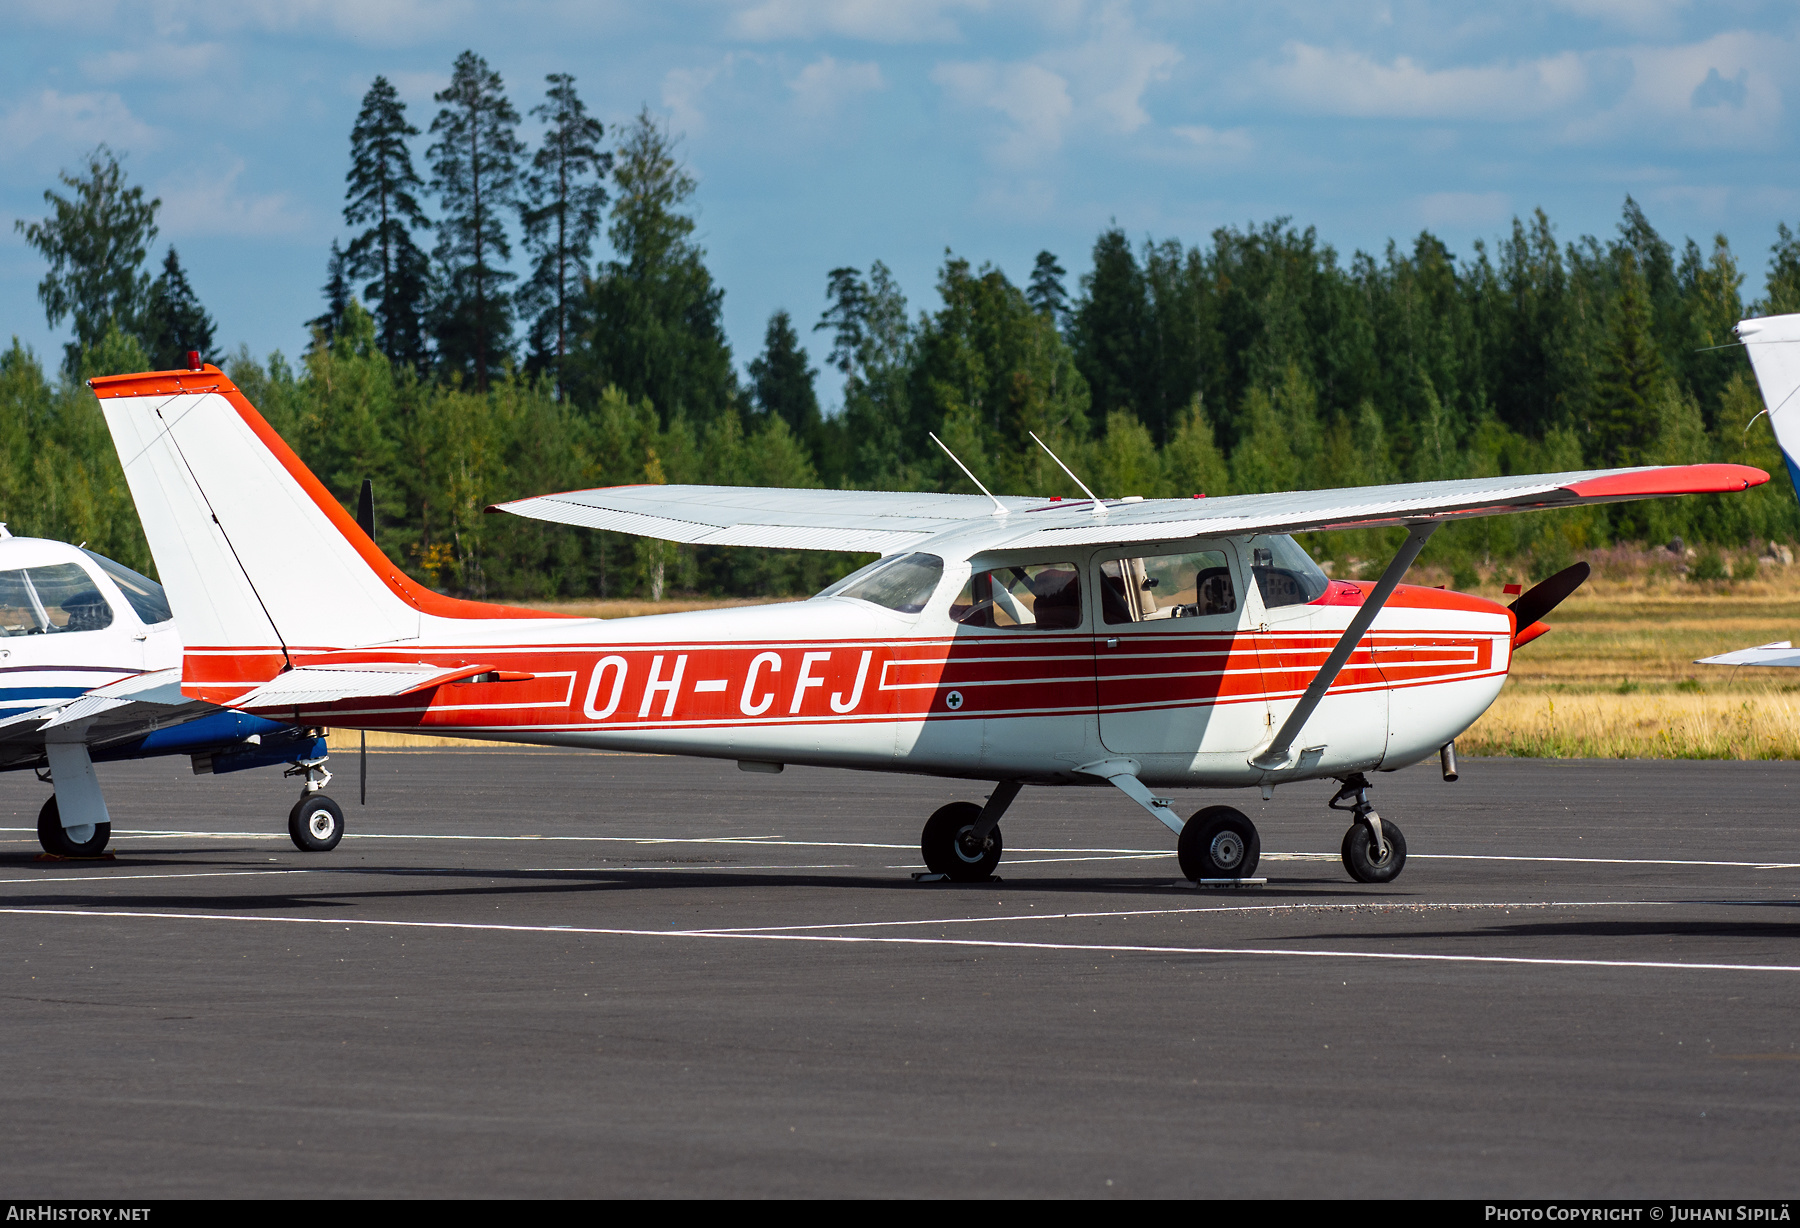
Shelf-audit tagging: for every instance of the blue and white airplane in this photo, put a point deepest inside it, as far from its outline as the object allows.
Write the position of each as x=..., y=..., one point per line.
x=90, y=671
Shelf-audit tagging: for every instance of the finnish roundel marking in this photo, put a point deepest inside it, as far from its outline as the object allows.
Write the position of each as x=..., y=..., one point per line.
x=953, y=700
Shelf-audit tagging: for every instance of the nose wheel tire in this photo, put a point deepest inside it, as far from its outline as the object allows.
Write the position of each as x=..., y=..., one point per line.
x=88, y=840
x=315, y=824
x=1218, y=842
x=1361, y=859
x=949, y=849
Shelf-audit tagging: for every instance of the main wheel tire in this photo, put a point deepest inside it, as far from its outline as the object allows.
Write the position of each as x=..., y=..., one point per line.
x=948, y=851
x=315, y=824
x=1359, y=853
x=88, y=840
x=1219, y=842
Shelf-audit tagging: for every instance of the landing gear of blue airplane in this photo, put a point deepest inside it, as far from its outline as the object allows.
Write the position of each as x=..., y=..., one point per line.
x=954, y=845
x=1218, y=842
x=87, y=840
x=1374, y=851
x=316, y=823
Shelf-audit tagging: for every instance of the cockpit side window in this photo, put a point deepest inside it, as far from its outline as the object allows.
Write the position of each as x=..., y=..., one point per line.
x=48, y=600
x=1029, y=597
x=1159, y=586
x=145, y=595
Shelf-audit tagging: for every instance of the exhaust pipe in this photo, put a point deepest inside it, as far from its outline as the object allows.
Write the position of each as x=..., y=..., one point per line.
x=1447, y=757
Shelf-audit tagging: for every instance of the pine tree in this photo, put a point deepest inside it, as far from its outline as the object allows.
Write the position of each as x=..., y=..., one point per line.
x=1110, y=328
x=381, y=185
x=475, y=172
x=337, y=298
x=173, y=321
x=95, y=240
x=652, y=322
x=781, y=379
x=1625, y=390
x=564, y=193
x=1046, y=293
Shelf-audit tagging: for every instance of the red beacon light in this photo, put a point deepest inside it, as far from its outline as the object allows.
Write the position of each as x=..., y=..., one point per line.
x=193, y=360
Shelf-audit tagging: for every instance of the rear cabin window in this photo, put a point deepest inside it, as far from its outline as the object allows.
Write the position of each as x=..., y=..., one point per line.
x=144, y=595
x=904, y=585
x=1032, y=597
x=48, y=600
x=1164, y=586
x=1285, y=573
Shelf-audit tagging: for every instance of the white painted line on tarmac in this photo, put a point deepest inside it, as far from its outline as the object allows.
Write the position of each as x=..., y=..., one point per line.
x=349, y=923
x=1607, y=861
x=1370, y=907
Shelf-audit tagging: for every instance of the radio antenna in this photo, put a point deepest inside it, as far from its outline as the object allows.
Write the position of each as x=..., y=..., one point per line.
x=1099, y=507
x=999, y=507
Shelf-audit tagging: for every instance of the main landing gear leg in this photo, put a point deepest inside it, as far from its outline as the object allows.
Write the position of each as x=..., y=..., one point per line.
x=962, y=840
x=1374, y=851
x=316, y=823
x=74, y=822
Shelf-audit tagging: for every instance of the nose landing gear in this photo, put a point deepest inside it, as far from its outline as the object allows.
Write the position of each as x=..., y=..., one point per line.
x=1374, y=851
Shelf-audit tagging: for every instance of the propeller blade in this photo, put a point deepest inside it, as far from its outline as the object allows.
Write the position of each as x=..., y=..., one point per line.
x=362, y=771
x=365, y=508
x=1532, y=605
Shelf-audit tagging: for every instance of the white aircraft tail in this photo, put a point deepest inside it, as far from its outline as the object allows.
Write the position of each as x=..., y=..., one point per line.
x=259, y=560
x=1773, y=343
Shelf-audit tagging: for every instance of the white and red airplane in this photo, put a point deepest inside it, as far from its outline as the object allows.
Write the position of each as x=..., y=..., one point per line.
x=1147, y=644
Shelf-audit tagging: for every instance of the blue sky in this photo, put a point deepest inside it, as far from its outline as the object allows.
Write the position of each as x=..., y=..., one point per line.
x=832, y=132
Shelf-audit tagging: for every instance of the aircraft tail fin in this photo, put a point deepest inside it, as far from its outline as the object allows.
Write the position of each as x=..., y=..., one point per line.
x=1773, y=343
x=263, y=567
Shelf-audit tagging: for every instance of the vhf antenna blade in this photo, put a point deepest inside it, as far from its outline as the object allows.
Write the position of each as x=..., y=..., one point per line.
x=1099, y=507
x=999, y=507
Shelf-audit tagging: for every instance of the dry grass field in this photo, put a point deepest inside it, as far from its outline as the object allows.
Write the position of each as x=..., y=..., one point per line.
x=1614, y=679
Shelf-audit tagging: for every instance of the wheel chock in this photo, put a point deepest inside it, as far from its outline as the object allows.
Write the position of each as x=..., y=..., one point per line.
x=1221, y=884
x=60, y=857
x=926, y=876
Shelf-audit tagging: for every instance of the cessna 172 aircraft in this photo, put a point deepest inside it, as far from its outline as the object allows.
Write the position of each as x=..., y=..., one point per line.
x=1145, y=644
x=90, y=670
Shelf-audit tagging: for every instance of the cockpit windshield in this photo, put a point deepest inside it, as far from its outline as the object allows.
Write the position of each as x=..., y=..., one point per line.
x=48, y=600
x=1285, y=573
x=144, y=594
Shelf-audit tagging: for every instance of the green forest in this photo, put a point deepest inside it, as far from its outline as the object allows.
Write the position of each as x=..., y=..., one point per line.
x=455, y=372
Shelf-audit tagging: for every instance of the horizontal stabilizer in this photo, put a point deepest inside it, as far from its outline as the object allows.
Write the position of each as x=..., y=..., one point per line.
x=312, y=685
x=1780, y=653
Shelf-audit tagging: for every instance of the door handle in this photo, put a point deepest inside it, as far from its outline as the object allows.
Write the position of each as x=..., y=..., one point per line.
x=1112, y=641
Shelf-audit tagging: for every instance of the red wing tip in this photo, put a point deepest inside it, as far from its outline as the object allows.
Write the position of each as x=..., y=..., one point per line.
x=1670, y=480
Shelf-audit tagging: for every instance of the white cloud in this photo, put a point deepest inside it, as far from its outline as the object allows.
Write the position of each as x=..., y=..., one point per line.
x=1322, y=81
x=826, y=84
x=1438, y=209
x=208, y=203
x=682, y=92
x=882, y=21
x=76, y=122
x=1033, y=98
x=159, y=62
x=1725, y=91
x=1228, y=142
x=1113, y=68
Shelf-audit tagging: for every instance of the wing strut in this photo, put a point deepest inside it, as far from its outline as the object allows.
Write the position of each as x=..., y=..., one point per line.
x=1276, y=756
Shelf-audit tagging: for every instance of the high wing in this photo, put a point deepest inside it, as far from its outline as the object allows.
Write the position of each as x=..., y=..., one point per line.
x=887, y=522
x=1780, y=653
x=124, y=711
x=782, y=518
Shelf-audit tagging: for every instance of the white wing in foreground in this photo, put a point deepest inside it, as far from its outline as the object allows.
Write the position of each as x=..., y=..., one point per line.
x=119, y=712
x=887, y=522
x=1780, y=653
